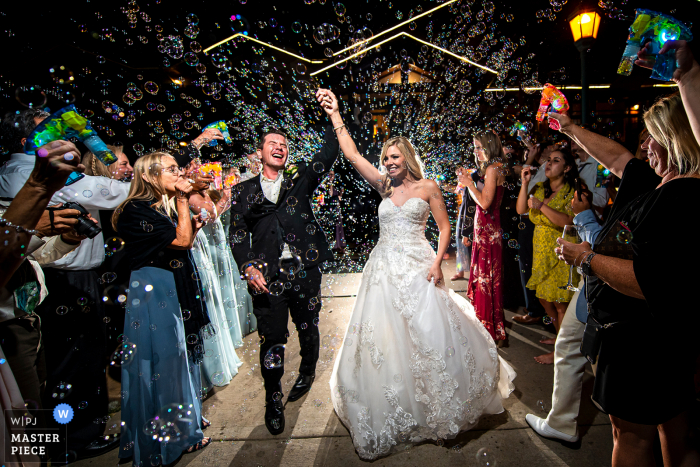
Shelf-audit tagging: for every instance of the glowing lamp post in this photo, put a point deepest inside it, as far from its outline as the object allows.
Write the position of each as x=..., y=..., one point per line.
x=584, y=27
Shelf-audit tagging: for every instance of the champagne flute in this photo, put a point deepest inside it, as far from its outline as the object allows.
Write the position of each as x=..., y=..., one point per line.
x=572, y=234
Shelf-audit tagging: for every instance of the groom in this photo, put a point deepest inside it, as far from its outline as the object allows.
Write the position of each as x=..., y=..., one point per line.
x=279, y=245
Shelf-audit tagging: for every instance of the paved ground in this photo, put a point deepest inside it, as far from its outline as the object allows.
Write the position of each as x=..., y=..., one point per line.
x=315, y=437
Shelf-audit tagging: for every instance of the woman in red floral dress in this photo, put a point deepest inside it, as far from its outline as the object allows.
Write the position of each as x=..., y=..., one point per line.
x=485, y=276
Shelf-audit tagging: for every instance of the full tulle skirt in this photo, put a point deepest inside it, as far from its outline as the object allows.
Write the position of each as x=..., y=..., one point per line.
x=416, y=363
x=219, y=338
x=161, y=403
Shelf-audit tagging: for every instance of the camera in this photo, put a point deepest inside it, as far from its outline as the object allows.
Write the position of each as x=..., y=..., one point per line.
x=84, y=226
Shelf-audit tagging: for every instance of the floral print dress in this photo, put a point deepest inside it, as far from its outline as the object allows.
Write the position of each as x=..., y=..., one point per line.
x=548, y=273
x=486, y=276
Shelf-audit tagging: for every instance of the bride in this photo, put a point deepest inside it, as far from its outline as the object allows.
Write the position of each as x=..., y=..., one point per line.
x=417, y=363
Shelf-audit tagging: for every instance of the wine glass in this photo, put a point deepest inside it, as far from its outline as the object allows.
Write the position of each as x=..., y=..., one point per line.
x=572, y=234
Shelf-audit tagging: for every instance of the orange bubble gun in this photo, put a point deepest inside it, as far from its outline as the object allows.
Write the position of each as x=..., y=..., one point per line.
x=213, y=168
x=554, y=98
x=230, y=180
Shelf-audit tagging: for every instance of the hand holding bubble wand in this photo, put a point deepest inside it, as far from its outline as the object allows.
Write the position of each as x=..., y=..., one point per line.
x=64, y=124
x=223, y=128
x=554, y=98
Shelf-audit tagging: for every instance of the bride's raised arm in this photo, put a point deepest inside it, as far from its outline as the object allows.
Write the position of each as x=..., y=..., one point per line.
x=330, y=104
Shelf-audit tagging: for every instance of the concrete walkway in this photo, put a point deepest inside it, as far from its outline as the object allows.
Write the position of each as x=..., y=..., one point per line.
x=315, y=437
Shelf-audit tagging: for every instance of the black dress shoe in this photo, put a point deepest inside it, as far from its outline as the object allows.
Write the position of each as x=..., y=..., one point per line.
x=274, y=417
x=301, y=387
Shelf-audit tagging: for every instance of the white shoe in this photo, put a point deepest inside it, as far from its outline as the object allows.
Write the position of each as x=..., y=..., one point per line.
x=541, y=428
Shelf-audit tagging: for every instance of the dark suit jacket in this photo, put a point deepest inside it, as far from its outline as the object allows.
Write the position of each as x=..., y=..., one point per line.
x=259, y=227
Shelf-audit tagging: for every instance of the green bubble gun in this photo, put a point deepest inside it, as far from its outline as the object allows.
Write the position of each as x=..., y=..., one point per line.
x=657, y=28
x=221, y=126
x=65, y=124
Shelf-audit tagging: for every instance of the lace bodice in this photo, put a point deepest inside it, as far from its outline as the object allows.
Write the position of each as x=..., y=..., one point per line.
x=402, y=250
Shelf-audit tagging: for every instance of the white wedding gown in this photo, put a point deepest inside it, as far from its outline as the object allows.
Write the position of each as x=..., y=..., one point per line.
x=416, y=363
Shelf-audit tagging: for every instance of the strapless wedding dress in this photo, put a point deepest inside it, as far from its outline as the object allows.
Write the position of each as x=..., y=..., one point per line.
x=416, y=363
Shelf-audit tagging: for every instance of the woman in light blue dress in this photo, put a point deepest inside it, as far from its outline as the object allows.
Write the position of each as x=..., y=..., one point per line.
x=220, y=363
x=161, y=348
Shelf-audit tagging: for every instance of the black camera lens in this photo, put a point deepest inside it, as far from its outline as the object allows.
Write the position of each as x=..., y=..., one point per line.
x=84, y=226
x=87, y=227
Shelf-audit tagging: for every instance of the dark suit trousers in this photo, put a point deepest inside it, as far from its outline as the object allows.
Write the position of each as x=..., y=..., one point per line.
x=75, y=351
x=525, y=238
x=20, y=339
x=272, y=313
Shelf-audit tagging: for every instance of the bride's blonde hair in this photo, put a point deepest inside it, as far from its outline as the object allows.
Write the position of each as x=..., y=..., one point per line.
x=413, y=163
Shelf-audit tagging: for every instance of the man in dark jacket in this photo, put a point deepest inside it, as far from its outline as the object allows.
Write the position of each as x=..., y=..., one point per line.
x=279, y=246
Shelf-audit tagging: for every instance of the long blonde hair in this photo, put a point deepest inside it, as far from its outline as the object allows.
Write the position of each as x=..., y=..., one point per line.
x=413, y=162
x=493, y=149
x=94, y=166
x=668, y=124
x=151, y=190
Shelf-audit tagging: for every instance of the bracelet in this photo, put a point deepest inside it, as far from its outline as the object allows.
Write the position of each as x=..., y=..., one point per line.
x=338, y=128
x=5, y=223
x=583, y=253
x=591, y=253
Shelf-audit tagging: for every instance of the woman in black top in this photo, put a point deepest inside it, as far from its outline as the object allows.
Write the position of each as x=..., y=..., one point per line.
x=640, y=287
x=161, y=351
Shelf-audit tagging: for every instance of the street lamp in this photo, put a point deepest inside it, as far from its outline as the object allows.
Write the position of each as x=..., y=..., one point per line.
x=584, y=24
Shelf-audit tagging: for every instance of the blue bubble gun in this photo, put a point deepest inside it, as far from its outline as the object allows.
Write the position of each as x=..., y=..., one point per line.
x=221, y=126
x=657, y=28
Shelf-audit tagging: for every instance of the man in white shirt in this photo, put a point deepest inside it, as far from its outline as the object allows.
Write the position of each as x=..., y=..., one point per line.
x=74, y=332
x=588, y=172
x=20, y=327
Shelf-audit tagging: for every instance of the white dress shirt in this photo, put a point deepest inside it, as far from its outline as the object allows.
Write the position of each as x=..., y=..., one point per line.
x=93, y=193
x=271, y=189
x=588, y=172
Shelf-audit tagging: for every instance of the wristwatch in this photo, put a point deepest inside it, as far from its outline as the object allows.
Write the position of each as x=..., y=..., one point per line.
x=586, y=264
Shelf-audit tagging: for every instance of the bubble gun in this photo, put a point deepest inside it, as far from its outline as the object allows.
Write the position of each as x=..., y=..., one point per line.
x=657, y=28
x=65, y=124
x=517, y=127
x=221, y=126
x=552, y=97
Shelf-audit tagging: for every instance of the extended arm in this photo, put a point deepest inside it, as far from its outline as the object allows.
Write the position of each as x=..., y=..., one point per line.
x=54, y=162
x=347, y=145
x=611, y=154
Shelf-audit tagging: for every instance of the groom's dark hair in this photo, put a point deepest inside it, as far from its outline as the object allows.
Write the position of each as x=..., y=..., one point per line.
x=274, y=131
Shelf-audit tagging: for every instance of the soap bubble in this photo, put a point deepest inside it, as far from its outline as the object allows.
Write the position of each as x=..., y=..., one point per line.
x=326, y=33
x=61, y=390
x=624, y=237
x=485, y=457
x=274, y=357
x=30, y=96
x=114, y=244
x=276, y=288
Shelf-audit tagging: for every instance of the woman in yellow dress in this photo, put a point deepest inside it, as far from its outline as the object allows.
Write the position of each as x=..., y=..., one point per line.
x=549, y=206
